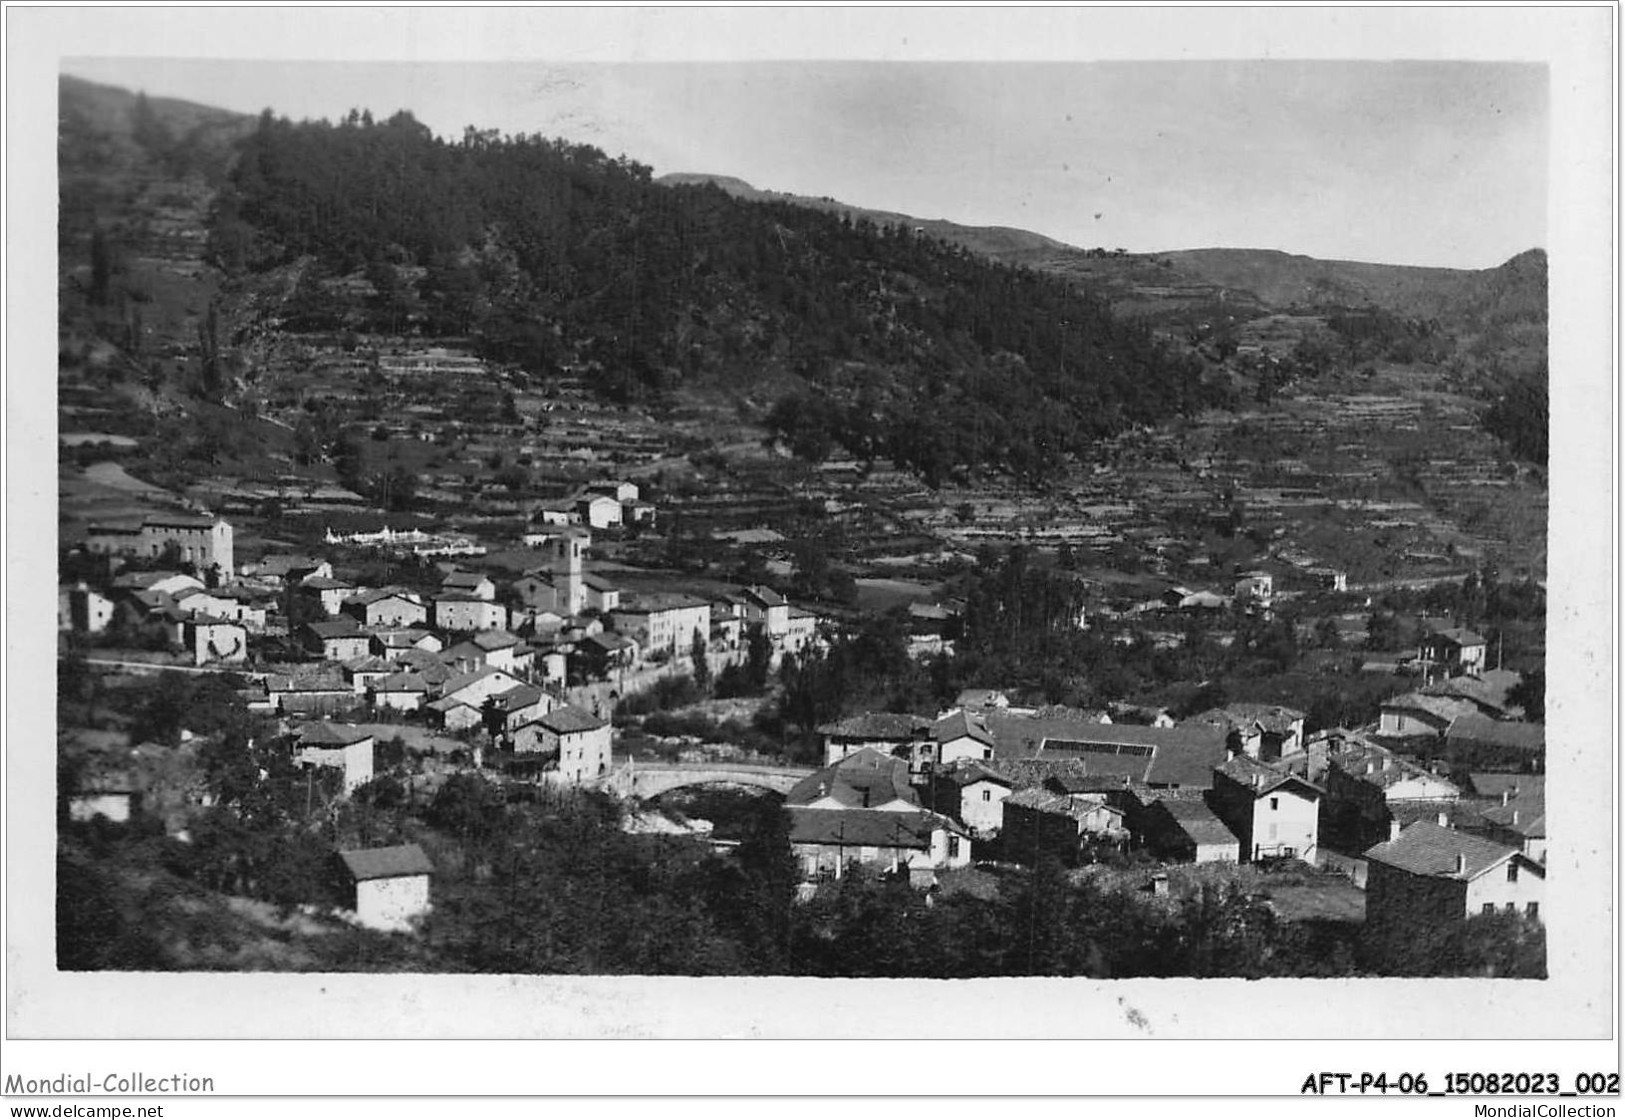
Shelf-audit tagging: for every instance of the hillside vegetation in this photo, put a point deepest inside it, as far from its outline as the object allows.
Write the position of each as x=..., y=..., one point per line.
x=554, y=257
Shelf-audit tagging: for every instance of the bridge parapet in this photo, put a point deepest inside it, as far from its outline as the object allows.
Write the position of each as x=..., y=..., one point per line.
x=652, y=779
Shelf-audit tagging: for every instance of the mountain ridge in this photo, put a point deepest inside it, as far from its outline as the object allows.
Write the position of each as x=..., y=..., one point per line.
x=1277, y=278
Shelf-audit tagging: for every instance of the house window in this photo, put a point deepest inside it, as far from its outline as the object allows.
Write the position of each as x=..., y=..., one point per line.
x=1512, y=872
x=953, y=847
x=1512, y=908
x=1275, y=803
x=987, y=795
x=1489, y=908
x=1532, y=909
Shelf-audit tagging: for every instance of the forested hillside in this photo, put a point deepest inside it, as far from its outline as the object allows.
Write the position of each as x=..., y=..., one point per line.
x=555, y=257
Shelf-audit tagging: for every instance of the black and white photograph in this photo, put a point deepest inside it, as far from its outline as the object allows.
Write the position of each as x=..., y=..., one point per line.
x=1102, y=532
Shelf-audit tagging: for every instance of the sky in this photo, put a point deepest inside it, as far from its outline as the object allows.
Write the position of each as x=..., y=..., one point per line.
x=1438, y=163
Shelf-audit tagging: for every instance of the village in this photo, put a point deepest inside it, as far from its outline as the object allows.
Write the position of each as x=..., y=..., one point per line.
x=1430, y=813
x=362, y=587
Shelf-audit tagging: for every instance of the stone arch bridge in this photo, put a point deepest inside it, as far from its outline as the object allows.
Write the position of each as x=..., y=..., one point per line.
x=651, y=779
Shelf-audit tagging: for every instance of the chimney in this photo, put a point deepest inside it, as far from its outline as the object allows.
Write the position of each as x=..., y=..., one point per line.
x=1514, y=817
x=1387, y=763
x=1371, y=768
x=1506, y=795
x=1444, y=820
x=1159, y=885
x=1461, y=864
x=1393, y=830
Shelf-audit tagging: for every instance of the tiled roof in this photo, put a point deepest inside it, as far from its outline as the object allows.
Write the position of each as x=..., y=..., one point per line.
x=400, y=639
x=887, y=726
x=1443, y=708
x=401, y=682
x=1380, y=766
x=569, y=720
x=868, y=828
x=464, y=579
x=1147, y=795
x=1067, y=805
x=861, y=780
x=326, y=734
x=282, y=564
x=961, y=725
x=238, y=593
x=1518, y=785
x=970, y=773
x=386, y=863
x=141, y=580
x=1426, y=849
x=1262, y=778
x=1459, y=636
x=1025, y=773
x=322, y=583
x=1198, y=821
x=516, y=699
x=463, y=680
x=1489, y=690
x=154, y=600
x=1452, y=812
x=381, y=594
x=765, y=597
x=430, y=665
x=179, y=521
x=1525, y=816
x=210, y=620
x=654, y=602
x=1476, y=728
x=318, y=680
x=495, y=639
x=1271, y=717
x=338, y=628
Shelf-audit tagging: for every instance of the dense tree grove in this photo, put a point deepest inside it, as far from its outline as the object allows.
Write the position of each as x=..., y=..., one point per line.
x=1371, y=333
x=1521, y=416
x=550, y=254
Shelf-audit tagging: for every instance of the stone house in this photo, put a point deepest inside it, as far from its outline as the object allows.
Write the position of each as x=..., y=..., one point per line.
x=389, y=887
x=662, y=623
x=463, y=613
x=338, y=640
x=340, y=746
x=825, y=842
x=1428, y=878
x=1272, y=813
x=579, y=740
x=83, y=609
x=1455, y=650
x=885, y=732
x=329, y=593
x=387, y=606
